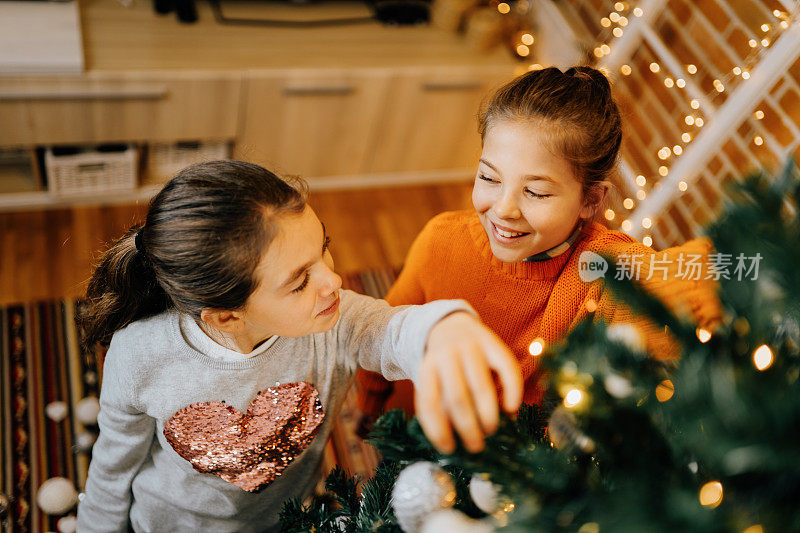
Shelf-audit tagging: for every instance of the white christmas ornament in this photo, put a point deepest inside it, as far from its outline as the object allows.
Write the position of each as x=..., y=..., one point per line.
x=68, y=524
x=84, y=441
x=420, y=489
x=450, y=520
x=628, y=335
x=618, y=386
x=87, y=409
x=57, y=495
x=56, y=411
x=484, y=493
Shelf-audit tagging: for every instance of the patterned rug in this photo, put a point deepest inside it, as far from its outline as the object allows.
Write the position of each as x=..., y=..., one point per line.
x=41, y=363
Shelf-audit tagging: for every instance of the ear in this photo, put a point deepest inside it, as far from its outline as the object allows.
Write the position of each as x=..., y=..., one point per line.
x=222, y=320
x=595, y=198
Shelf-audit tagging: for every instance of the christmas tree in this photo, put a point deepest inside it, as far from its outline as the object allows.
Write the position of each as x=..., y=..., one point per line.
x=708, y=443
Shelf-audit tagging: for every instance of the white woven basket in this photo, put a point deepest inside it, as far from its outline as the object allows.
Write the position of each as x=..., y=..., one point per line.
x=91, y=172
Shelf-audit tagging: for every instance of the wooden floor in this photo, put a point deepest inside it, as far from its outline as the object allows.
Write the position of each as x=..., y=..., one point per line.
x=49, y=254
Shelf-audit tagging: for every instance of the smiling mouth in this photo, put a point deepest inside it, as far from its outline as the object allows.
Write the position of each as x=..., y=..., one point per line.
x=506, y=235
x=329, y=310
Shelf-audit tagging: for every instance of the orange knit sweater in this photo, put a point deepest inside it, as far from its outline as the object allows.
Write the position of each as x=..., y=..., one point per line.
x=452, y=258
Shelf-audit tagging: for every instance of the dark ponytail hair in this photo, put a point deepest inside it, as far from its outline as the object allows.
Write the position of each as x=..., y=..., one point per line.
x=203, y=237
x=576, y=112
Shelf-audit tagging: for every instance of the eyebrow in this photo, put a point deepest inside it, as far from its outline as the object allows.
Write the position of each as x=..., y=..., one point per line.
x=529, y=177
x=300, y=270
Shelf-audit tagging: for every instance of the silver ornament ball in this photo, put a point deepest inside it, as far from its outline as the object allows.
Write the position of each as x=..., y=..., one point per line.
x=420, y=489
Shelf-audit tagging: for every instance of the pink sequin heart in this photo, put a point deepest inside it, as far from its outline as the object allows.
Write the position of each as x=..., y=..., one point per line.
x=253, y=449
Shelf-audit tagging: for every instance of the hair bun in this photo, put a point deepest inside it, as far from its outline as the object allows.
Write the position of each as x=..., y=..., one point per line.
x=591, y=75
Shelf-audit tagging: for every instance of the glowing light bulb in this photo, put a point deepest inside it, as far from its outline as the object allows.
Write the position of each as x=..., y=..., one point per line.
x=626, y=70
x=737, y=70
x=686, y=137
x=698, y=122
x=669, y=82
x=641, y=181
x=663, y=171
x=759, y=114
x=718, y=86
x=626, y=225
x=614, y=17
x=573, y=398
x=689, y=120
x=703, y=335
x=503, y=8
x=523, y=51
x=627, y=203
x=691, y=69
x=654, y=67
x=765, y=42
x=610, y=214
x=665, y=390
x=527, y=39
x=536, y=347
x=745, y=75
x=606, y=49
x=762, y=357
x=753, y=43
x=641, y=194
x=777, y=13
x=647, y=241
x=623, y=21
x=617, y=32
x=619, y=6
x=682, y=186
x=695, y=104
x=757, y=140
x=680, y=82
x=784, y=24
x=637, y=11
x=663, y=153
x=711, y=494
x=765, y=28
x=677, y=150
x=598, y=53
x=646, y=223
x=605, y=22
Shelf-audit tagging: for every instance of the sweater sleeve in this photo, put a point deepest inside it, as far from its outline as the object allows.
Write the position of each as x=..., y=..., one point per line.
x=126, y=435
x=389, y=340
x=669, y=276
x=373, y=388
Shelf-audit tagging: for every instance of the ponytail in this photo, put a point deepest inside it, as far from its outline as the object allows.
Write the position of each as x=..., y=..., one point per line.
x=122, y=289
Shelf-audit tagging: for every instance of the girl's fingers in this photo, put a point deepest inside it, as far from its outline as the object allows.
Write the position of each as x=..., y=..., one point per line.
x=502, y=360
x=482, y=388
x=430, y=413
x=459, y=403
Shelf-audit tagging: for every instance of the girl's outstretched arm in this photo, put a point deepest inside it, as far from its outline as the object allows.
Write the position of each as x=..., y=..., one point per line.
x=126, y=435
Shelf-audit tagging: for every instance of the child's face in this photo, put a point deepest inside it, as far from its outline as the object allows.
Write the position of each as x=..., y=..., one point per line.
x=527, y=198
x=298, y=293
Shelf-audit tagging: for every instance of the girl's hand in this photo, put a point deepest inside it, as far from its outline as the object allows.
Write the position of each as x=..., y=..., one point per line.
x=455, y=382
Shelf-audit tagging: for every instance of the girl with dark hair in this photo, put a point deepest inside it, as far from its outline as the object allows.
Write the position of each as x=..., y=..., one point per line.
x=550, y=142
x=232, y=346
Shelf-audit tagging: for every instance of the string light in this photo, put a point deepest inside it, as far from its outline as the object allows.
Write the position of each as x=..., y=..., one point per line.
x=784, y=24
x=626, y=225
x=663, y=153
x=606, y=49
x=753, y=43
x=523, y=50
x=623, y=21
x=695, y=104
x=691, y=69
x=641, y=195
x=637, y=11
x=669, y=82
x=682, y=186
x=647, y=241
x=610, y=214
x=680, y=82
x=646, y=223
x=745, y=75
x=663, y=171
x=762, y=357
x=573, y=398
x=677, y=150
x=757, y=140
x=503, y=8
x=686, y=137
x=737, y=70
x=665, y=390
x=626, y=70
x=614, y=17
x=627, y=203
x=527, y=39
x=619, y=6
x=698, y=122
x=711, y=494
x=689, y=120
x=654, y=67
x=617, y=32
x=598, y=52
x=759, y=114
x=765, y=28
x=641, y=180
x=718, y=86
x=703, y=335
x=536, y=347
x=605, y=22
x=765, y=42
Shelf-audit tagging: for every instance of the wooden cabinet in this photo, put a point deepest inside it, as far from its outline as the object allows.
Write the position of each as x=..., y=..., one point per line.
x=429, y=121
x=111, y=107
x=316, y=124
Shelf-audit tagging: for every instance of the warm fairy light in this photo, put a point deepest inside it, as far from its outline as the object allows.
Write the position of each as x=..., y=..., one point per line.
x=527, y=39
x=598, y=53
x=641, y=195
x=753, y=43
x=623, y=21
x=663, y=171
x=758, y=140
x=654, y=67
x=605, y=48
x=698, y=122
x=665, y=390
x=627, y=203
x=762, y=357
x=777, y=13
x=686, y=137
x=784, y=24
x=646, y=223
x=647, y=241
x=663, y=153
x=677, y=150
x=737, y=71
x=626, y=225
x=765, y=42
x=680, y=82
x=503, y=8
x=718, y=86
x=691, y=69
x=617, y=32
x=637, y=11
x=669, y=83
x=619, y=6
x=759, y=114
x=765, y=28
x=536, y=347
x=745, y=75
x=641, y=181
x=695, y=104
x=523, y=51
x=573, y=398
x=626, y=70
x=703, y=334
x=682, y=186
x=610, y=214
x=591, y=305
x=711, y=494
x=689, y=120
x=605, y=22
x=614, y=17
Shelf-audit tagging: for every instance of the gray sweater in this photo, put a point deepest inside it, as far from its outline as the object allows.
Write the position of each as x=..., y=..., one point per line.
x=152, y=370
